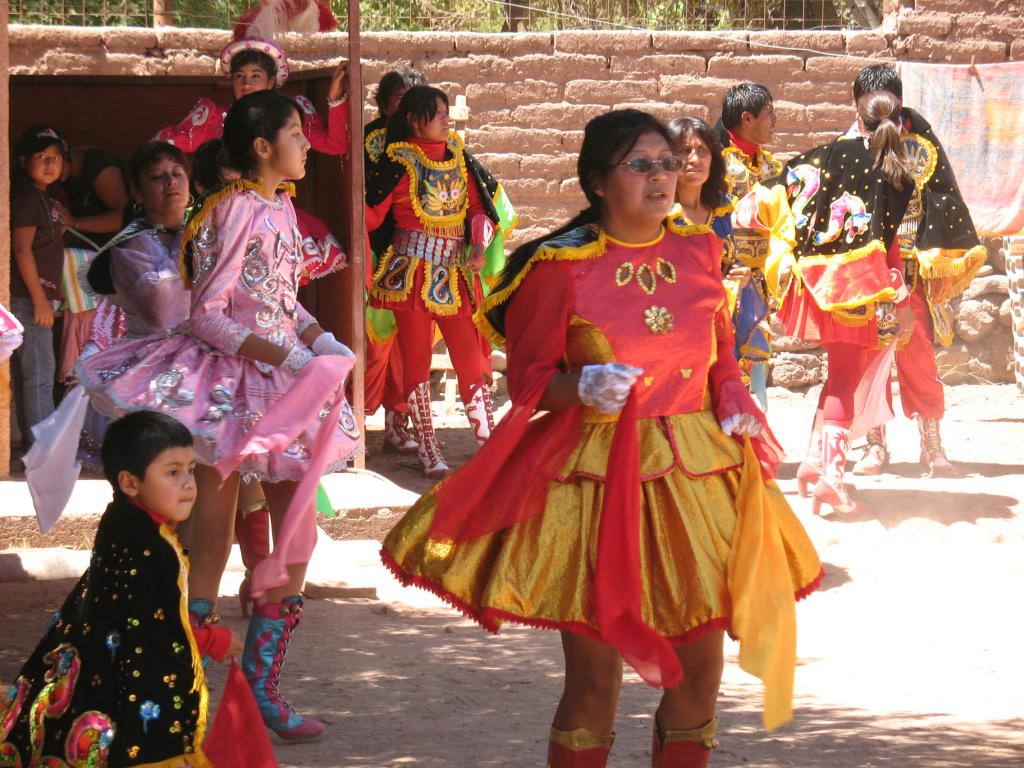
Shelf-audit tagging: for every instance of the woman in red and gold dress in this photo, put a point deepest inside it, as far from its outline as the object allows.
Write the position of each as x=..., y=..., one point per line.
x=637, y=515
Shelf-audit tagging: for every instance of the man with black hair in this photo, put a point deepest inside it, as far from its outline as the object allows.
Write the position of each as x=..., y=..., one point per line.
x=746, y=125
x=941, y=255
x=383, y=377
x=118, y=677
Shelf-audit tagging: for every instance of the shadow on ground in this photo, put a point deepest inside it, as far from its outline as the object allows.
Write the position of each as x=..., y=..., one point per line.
x=403, y=687
x=891, y=507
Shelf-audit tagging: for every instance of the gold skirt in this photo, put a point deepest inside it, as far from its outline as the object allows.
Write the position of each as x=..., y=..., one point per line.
x=540, y=572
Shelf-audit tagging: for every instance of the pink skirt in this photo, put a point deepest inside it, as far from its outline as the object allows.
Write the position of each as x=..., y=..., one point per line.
x=804, y=319
x=220, y=398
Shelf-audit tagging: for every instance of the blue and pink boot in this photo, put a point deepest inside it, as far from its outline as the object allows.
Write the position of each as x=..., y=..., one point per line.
x=266, y=645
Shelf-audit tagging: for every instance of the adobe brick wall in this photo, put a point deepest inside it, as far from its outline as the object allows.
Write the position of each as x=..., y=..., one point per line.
x=531, y=94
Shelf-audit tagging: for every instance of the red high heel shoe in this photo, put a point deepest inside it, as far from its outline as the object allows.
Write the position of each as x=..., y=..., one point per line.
x=807, y=474
x=842, y=503
x=830, y=488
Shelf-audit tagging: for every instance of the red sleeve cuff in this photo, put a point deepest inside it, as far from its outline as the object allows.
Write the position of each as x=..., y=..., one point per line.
x=213, y=641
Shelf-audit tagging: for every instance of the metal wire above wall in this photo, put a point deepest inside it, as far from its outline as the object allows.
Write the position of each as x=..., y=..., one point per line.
x=485, y=15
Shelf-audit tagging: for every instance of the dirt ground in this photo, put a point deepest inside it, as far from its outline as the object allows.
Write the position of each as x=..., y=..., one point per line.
x=908, y=656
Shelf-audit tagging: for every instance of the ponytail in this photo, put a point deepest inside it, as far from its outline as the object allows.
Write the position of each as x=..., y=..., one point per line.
x=879, y=112
x=521, y=256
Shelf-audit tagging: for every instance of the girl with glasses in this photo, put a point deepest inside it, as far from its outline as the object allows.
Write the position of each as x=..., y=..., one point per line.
x=622, y=501
x=701, y=194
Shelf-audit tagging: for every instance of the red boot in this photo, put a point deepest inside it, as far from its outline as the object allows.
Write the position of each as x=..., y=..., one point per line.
x=684, y=749
x=578, y=748
x=252, y=529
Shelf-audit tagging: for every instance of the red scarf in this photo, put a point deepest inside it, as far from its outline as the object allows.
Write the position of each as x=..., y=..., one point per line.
x=748, y=148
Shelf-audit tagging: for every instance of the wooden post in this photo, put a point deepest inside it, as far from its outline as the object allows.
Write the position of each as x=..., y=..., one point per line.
x=163, y=13
x=357, y=223
x=5, y=236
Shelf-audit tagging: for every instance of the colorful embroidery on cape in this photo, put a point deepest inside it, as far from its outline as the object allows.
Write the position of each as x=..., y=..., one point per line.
x=374, y=144
x=55, y=697
x=438, y=189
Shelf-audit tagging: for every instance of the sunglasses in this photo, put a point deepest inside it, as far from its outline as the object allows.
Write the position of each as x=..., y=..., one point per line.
x=643, y=165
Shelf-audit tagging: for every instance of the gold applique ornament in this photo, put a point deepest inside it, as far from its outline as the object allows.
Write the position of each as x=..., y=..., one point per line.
x=646, y=277
x=659, y=319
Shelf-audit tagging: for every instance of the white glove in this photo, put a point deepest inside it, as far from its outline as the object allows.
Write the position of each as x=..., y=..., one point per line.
x=605, y=388
x=741, y=424
x=326, y=344
x=297, y=358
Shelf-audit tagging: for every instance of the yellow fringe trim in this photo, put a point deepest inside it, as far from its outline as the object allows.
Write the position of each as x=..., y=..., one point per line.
x=209, y=204
x=922, y=176
x=589, y=250
x=199, y=686
x=443, y=310
x=845, y=257
x=382, y=267
x=371, y=137
x=886, y=294
x=723, y=209
x=938, y=263
x=680, y=226
x=452, y=225
x=747, y=352
x=850, y=320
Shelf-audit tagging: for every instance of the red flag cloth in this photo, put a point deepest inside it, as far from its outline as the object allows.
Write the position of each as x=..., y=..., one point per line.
x=237, y=738
x=617, y=579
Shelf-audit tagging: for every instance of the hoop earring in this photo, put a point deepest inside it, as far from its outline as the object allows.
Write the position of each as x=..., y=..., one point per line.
x=136, y=207
x=191, y=201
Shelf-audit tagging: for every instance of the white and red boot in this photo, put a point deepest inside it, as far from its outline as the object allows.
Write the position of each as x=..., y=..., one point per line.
x=429, y=452
x=480, y=412
x=830, y=488
x=397, y=435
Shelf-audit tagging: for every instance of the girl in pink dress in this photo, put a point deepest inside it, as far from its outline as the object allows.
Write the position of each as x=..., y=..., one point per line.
x=258, y=382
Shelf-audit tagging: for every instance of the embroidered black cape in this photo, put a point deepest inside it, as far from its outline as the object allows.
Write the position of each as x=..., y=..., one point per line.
x=947, y=222
x=117, y=679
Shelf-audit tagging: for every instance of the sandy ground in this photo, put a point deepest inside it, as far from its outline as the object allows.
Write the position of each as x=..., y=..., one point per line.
x=910, y=655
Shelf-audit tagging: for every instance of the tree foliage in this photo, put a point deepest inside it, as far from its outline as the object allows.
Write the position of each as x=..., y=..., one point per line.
x=485, y=15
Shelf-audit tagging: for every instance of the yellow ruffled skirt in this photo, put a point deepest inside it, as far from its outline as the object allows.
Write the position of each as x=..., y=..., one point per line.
x=540, y=572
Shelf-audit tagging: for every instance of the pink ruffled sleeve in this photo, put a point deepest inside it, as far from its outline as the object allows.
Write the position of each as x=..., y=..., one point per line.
x=219, y=249
x=150, y=280
x=203, y=123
